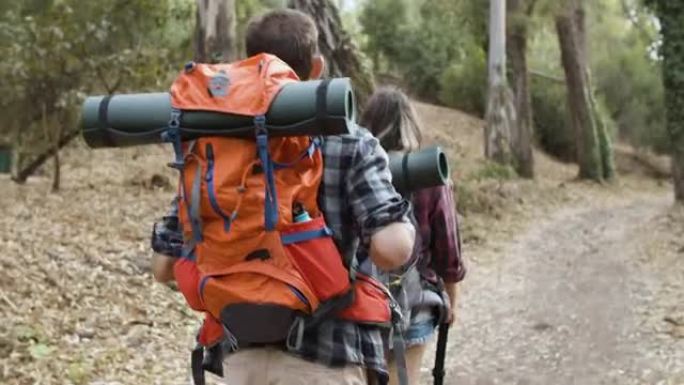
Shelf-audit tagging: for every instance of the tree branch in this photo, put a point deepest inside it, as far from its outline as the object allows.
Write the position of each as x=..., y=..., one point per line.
x=31, y=168
x=543, y=75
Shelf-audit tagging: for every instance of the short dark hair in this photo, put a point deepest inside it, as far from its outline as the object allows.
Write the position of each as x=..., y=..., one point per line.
x=288, y=34
x=391, y=118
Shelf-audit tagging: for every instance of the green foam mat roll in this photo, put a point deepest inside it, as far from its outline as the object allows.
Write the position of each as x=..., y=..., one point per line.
x=417, y=170
x=138, y=119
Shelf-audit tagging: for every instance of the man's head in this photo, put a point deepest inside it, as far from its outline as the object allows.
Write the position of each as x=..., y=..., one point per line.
x=291, y=36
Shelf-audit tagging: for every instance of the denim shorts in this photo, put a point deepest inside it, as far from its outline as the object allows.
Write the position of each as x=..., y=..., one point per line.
x=420, y=330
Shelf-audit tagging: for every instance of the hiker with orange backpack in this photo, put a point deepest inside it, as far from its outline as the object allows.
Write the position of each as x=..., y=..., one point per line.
x=267, y=233
x=428, y=291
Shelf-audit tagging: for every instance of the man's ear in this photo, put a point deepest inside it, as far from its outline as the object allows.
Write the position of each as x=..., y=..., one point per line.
x=317, y=67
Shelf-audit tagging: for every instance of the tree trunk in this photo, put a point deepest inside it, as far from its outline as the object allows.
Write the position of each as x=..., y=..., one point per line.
x=518, y=12
x=671, y=14
x=215, y=35
x=342, y=56
x=572, y=42
x=678, y=171
x=500, y=113
x=56, y=175
x=604, y=140
x=53, y=138
x=17, y=149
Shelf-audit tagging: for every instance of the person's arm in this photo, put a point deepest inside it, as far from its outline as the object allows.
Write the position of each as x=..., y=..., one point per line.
x=167, y=243
x=391, y=246
x=445, y=245
x=381, y=213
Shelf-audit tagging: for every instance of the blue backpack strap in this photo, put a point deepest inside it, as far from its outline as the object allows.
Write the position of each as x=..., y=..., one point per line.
x=211, y=190
x=271, y=200
x=188, y=250
x=305, y=235
x=173, y=135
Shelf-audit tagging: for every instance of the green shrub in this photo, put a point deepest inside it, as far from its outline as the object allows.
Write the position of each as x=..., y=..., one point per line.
x=631, y=86
x=626, y=73
x=418, y=40
x=552, y=128
x=493, y=170
x=464, y=84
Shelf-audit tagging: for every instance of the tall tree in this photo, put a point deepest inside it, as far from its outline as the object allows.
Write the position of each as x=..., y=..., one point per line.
x=518, y=14
x=342, y=56
x=216, y=36
x=500, y=113
x=671, y=14
x=594, y=153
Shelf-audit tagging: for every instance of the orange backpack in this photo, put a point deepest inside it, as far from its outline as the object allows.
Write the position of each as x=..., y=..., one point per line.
x=259, y=258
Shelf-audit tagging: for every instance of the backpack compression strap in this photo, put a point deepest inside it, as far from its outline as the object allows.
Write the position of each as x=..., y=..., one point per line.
x=173, y=135
x=271, y=200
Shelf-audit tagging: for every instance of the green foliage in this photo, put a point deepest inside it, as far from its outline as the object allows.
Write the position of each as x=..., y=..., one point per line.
x=628, y=79
x=479, y=191
x=464, y=84
x=384, y=22
x=57, y=51
x=670, y=14
x=625, y=75
x=40, y=351
x=79, y=373
x=552, y=128
x=420, y=41
x=469, y=199
x=493, y=170
x=430, y=47
x=438, y=49
x=605, y=128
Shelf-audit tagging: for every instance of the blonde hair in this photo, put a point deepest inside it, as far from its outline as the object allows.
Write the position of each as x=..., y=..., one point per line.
x=391, y=118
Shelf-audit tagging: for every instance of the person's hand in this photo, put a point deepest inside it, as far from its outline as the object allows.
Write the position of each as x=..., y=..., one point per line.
x=451, y=315
x=452, y=292
x=162, y=268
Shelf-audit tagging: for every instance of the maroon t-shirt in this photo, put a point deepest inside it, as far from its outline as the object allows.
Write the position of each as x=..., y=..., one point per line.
x=439, y=242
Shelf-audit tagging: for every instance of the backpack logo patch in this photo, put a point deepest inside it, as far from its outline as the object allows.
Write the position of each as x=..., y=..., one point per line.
x=218, y=85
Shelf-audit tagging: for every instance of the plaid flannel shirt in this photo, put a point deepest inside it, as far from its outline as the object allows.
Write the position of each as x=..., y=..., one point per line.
x=357, y=198
x=439, y=242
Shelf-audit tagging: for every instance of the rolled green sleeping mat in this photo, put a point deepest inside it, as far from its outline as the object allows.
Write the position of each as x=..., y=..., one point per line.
x=417, y=170
x=298, y=109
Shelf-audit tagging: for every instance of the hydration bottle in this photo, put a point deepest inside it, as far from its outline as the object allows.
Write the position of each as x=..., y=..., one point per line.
x=299, y=213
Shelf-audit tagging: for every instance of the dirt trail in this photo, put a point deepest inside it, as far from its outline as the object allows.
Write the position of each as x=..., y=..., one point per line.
x=577, y=299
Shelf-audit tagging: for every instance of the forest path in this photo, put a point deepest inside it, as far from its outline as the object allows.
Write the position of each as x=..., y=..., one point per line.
x=581, y=297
